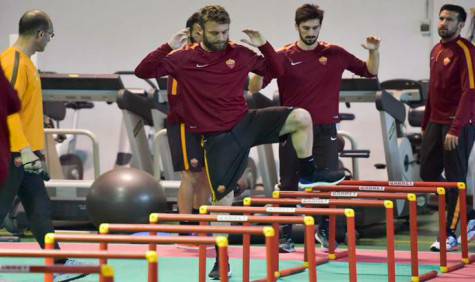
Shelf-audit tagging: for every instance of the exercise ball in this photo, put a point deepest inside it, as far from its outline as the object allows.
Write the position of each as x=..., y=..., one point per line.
x=124, y=195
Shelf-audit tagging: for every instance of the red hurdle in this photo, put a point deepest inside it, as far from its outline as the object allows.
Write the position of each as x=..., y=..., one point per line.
x=266, y=231
x=56, y=254
x=151, y=256
x=333, y=203
x=204, y=218
x=410, y=197
x=419, y=188
x=104, y=271
x=462, y=190
x=348, y=213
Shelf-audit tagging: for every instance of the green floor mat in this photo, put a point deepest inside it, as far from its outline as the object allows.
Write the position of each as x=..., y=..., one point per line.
x=186, y=269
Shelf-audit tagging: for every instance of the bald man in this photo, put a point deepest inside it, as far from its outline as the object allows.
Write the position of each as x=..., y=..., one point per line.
x=26, y=173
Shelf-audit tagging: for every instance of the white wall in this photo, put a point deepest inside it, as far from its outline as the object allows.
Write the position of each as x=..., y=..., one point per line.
x=104, y=36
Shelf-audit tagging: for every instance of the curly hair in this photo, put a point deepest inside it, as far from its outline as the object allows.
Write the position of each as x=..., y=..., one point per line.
x=214, y=13
x=308, y=12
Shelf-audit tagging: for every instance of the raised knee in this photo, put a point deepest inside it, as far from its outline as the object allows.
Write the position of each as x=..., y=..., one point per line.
x=301, y=117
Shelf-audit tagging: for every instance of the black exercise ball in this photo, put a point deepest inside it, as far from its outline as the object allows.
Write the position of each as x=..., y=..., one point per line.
x=124, y=195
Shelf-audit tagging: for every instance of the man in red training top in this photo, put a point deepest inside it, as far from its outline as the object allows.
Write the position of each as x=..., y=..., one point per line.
x=448, y=126
x=311, y=81
x=185, y=146
x=212, y=75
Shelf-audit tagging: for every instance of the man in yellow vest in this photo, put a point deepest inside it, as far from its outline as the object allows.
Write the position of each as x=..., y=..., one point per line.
x=26, y=173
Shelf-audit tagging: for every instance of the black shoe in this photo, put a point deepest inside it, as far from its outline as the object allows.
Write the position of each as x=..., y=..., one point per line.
x=322, y=237
x=66, y=277
x=214, y=273
x=286, y=245
x=322, y=177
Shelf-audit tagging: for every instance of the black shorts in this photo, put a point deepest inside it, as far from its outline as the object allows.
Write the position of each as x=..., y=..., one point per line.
x=226, y=153
x=325, y=153
x=185, y=148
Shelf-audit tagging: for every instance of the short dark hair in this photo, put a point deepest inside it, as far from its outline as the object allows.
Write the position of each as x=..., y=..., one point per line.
x=462, y=15
x=214, y=13
x=193, y=19
x=32, y=21
x=308, y=12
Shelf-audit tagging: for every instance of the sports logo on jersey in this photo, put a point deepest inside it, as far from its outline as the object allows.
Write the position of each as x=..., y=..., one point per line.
x=231, y=63
x=446, y=61
x=221, y=188
x=323, y=60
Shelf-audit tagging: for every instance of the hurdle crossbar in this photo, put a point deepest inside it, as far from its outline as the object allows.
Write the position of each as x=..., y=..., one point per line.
x=266, y=231
x=50, y=255
x=462, y=198
x=151, y=256
x=441, y=193
x=386, y=204
x=308, y=222
x=105, y=271
x=348, y=213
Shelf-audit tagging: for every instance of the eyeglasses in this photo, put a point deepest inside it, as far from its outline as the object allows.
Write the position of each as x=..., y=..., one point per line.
x=50, y=33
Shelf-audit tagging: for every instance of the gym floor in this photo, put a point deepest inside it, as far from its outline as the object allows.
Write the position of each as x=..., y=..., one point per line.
x=371, y=266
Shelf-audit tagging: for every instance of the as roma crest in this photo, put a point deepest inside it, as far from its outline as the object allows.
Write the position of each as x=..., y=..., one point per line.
x=446, y=61
x=231, y=63
x=323, y=60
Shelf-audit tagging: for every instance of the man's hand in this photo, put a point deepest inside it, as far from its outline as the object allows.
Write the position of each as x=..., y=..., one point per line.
x=451, y=142
x=179, y=39
x=31, y=162
x=372, y=43
x=255, y=38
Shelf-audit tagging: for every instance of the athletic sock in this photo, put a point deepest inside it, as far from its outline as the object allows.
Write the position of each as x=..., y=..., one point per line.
x=307, y=166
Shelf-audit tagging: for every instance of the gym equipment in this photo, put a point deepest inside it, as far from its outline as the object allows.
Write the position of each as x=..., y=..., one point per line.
x=353, y=152
x=389, y=101
x=124, y=195
x=71, y=162
x=68, y=196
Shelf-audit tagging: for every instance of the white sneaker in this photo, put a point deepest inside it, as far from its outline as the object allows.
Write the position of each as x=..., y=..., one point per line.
x=451, y=245
x=470, y=231
x=65, y=277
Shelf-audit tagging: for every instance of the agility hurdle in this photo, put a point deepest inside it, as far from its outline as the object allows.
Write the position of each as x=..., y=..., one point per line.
x=266, y=231
x=308, y=222
x=415, y=185
x=334, y=203
x=410, y=197
x=348, y=213
x=152, y=257
x=104, y=271
x=440, y=191
x=50, y=255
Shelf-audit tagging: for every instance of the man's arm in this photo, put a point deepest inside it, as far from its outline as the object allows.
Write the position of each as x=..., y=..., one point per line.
x=255, y=83
x=366, y=69
x=467, y=101
x=269, y=65
x=154, y=65
x=372, y=45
